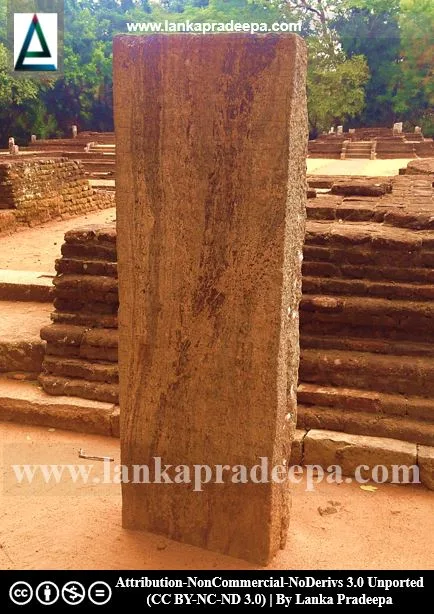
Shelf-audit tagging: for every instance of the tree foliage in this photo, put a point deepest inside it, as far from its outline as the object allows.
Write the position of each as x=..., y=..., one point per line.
x=370, y=61
x=414, y=97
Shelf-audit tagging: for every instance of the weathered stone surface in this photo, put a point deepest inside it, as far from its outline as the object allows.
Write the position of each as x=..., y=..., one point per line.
x=420, y=167
x=81, y=369
x=75, y=387
x=359, y=400
x=63, y=334
x=354, y=301
x=37, y=190
x=26, y=403
x=85, y=319
x=210, y=197
x=425, y=459
x=369, y=371
x=21, y=348
x=327, y=448
x=94, y=251
x=86, y=267
x=21, y=356
x=98, y=352
x=25, y=286
x=363, y=423
x=361, y=188
x=82, y=342
x=296, y=457
x=8, y=223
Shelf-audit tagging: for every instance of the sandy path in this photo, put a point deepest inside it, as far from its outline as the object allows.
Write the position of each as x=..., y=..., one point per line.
x=35, y=249
x=80, y=528
x=324, y=166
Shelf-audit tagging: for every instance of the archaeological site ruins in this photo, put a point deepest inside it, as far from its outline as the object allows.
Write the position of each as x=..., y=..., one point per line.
x=184, y=287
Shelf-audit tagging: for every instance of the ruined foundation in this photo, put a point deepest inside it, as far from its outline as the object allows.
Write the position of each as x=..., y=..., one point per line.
x=36, y=190
x=365, y=328
x=211, y=143
x=371, y=144
x=81, y=352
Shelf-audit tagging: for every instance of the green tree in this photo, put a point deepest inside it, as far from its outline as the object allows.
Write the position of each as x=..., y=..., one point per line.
x=335, y=82
x=335, y=86
x=370, y=61
x=414, y=99
x=370, y=28
x=16, y=99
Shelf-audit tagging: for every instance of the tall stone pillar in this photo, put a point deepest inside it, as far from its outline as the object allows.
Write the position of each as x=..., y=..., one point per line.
x=211, y=137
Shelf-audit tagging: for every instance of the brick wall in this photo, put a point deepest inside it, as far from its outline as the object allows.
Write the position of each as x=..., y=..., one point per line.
x=38, y=190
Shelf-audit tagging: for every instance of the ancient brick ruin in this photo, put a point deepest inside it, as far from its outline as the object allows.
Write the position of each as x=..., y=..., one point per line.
x=81, y=351
x=366, y=325
x=367, y=359
x=36, y=190
x=371, y=144
x=95, y=150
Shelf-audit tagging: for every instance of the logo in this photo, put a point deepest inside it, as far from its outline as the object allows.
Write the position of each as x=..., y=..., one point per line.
x=99, y=593
x=20, y=593
x=35, y=41
x=47, y=593
x=73, y=593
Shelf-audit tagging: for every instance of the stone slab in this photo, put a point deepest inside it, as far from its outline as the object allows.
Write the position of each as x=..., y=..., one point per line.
x=327, y=448
x=211, y=145
x=425, y=459
x=27, y=403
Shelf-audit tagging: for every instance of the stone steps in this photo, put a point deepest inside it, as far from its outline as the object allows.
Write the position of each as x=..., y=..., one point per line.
x=363, y=423
x=66, y=340
x=403, y=202
x=364, y=343
x=358, y=150
x=407, y=375
x=358, y=155
x=21, y=348
x=363, y=287
x=338, y=268
x=354, y=209
x=350, y=452
x=383, y=238
x=96, y=288
x=367, y=356
x=82, y=343
x=26, y=286
x=78, y=387
x=322, y=209
x=365, y=316
x=378, y=404
x=27, y=403
x=106, y=372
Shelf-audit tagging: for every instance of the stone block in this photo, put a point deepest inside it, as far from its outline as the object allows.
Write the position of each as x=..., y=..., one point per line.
x=211, y=145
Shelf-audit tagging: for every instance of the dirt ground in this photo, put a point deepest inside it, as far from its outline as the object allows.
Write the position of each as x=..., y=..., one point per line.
x=23, y=322
x=80, y=527
x=36, y=249
x=371, y=168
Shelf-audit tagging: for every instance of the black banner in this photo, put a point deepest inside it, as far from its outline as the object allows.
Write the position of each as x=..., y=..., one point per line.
x=139, y=590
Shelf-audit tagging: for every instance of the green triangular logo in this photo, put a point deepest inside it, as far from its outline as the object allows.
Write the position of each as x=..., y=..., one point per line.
x=35, y=26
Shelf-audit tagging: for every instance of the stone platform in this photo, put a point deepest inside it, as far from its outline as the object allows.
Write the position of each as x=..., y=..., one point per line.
x=367, y=360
